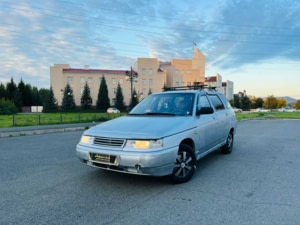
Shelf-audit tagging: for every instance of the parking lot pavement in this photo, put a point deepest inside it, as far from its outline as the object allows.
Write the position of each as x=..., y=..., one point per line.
x=42, y=129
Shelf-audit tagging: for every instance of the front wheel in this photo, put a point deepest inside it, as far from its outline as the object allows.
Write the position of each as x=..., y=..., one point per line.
x=184, y=166
x=227, y=148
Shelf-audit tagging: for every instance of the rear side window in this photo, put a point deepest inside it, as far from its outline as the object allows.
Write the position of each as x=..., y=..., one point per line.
x=203, y=102
x=216, y=101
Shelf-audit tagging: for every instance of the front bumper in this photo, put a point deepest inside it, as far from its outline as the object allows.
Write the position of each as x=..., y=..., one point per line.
x=157, y=163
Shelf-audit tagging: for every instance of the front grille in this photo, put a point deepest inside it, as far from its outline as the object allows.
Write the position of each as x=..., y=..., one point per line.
x=111, y=142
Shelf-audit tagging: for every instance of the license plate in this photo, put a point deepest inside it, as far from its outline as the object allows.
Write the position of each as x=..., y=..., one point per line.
x=106, y=159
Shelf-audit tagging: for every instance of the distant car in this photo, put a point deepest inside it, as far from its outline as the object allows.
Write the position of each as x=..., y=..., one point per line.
x=113, y=110
x=262, y=110
x=237, y=110
x=287, y=109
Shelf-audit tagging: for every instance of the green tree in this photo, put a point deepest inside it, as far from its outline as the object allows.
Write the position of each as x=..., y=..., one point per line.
x=2, y=91
x=86, y=99
x=36, y=100
x=68, y=102
x=256, y=102
x=13, y=94
x=270, y=102
x=297, y=104
x=11, y=89
x=245, y=103
x=103, y=99
x=150, y=91
x=7, y=107
x=27, y=95
x=281, y=103
x=259, y=103
x=50, y=102
x=119, y=98
x=21, y=89
x=134, y=99
x=44, y=95
x=236, y=101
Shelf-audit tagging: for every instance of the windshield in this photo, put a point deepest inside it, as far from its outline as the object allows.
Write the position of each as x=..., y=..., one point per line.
x=166, y=104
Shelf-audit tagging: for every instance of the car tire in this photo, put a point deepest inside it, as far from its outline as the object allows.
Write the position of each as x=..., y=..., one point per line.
x=184, y=167
x=227, y=148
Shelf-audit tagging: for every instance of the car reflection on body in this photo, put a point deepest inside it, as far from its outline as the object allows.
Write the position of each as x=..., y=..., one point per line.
x=113, y=110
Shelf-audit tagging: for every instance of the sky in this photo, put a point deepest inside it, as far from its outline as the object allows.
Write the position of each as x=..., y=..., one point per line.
x=254, y=43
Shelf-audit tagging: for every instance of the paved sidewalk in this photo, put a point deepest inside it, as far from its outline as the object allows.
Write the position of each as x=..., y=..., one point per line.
x=32, y=130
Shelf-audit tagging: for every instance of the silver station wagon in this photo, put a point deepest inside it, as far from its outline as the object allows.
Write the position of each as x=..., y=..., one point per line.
x=165, y=134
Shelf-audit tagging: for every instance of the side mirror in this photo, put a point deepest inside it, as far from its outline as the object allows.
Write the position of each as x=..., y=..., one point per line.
x=204, y=111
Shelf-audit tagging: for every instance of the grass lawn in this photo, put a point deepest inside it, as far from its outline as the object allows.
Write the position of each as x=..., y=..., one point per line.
x=34, y=119
x=268, y=115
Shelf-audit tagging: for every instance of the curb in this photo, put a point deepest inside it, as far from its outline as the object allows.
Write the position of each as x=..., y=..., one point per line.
x=24, y=131
x=34, y=132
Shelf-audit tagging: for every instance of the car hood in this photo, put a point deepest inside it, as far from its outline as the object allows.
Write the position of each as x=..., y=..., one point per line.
x=142, y=127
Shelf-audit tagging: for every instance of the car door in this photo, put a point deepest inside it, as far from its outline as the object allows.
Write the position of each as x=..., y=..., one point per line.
x=206, y=127
x=221, y=118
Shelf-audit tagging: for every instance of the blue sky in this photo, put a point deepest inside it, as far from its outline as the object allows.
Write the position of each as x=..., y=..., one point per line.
x=254, y=43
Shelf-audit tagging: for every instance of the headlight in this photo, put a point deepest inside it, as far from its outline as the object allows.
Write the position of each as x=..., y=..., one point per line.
x=144, y=144
x=86, y=139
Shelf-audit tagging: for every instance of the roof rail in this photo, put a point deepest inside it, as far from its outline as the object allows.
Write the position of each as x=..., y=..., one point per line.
x=199, y=87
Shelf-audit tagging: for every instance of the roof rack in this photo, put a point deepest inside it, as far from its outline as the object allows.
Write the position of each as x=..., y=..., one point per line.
x=199, y=87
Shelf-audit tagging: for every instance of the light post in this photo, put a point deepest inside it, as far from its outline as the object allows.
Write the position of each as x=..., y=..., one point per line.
x=132, y=77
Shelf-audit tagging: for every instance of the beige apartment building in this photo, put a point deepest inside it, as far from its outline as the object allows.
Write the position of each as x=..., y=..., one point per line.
x=153, y=75
x=224, y=87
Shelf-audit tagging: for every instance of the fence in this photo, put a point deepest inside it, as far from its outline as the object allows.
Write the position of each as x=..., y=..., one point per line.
x=62, y=118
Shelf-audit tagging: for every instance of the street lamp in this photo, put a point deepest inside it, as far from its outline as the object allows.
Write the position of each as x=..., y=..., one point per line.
x=132, y=77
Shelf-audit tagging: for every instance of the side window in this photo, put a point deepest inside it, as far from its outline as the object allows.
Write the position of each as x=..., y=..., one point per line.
x=216, y=101
x=203, y=102
x=226, y=102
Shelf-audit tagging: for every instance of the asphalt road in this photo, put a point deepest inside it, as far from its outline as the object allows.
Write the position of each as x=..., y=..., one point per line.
x=42, y=182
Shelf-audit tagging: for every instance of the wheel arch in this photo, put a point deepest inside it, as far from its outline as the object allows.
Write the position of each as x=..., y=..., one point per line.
x=189, y=142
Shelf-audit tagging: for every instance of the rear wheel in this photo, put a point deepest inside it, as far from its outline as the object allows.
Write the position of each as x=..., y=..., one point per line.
x=184, y=166
x=227, y=148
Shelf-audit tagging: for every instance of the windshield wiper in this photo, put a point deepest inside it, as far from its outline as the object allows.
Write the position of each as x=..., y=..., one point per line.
x=152, y=114
x=160, y=113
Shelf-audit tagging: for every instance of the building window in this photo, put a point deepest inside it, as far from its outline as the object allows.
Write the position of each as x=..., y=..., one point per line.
x=150, y=81
x=188, y=83
x=150, y=71
x=176, y=84
x=177, y=71
x=114, y=90
x=70, y=79
x=121, y=81
x=90, y=79
x=144, y=81
x=188, y=72
x=113, y=80
x=82, y=80
x=143, y=71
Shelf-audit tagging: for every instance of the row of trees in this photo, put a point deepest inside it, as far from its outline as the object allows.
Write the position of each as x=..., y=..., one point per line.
x=245, y=103
x=13, y=97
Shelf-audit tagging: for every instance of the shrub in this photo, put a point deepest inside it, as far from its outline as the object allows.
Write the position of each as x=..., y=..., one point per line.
x=7, y=107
